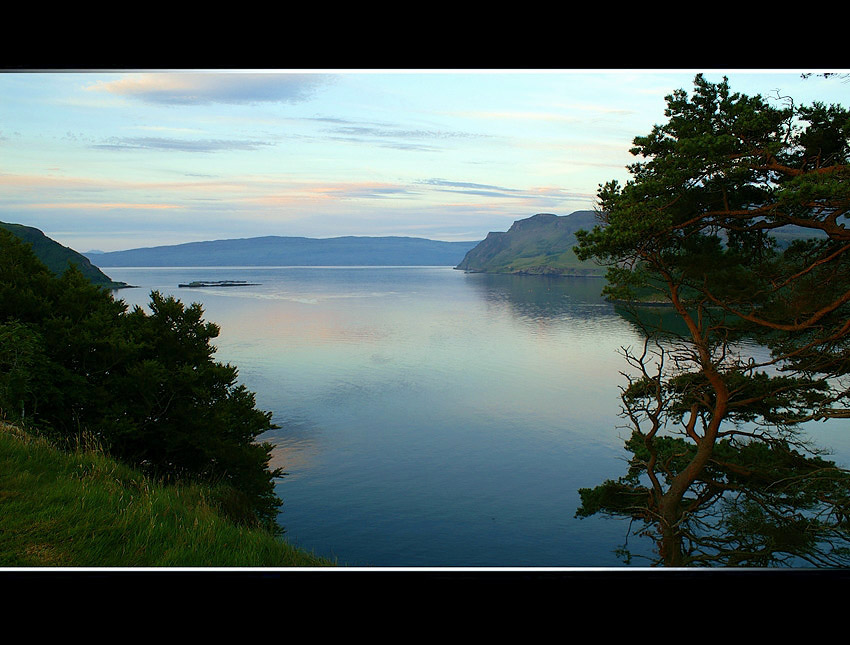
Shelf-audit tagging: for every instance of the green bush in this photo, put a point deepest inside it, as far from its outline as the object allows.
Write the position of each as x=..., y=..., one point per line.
x=74, y=362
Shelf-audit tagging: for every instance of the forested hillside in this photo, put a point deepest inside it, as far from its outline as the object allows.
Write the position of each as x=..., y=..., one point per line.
x=57, y=258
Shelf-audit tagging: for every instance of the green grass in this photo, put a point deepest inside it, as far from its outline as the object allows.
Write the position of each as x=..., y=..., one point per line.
x=84, y=509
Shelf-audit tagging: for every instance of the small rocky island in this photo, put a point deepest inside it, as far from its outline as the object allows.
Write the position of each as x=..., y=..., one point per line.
x=218, y=283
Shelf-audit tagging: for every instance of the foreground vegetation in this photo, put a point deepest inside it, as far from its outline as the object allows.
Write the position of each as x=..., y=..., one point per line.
x=81, y=508
x=723, y=470
x=75, y=363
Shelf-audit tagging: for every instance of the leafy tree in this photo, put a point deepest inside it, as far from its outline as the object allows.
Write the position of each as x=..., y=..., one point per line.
x=182, y=414
x=766, y=323
x=86, y=337
x=75, y=364
x=24, y=371
x=24, y=282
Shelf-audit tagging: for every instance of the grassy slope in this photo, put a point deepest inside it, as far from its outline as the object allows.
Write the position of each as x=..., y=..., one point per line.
x=83, y=509
x=56, y=257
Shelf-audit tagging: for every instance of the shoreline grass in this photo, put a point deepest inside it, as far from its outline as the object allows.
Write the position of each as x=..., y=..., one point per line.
x=83, y=509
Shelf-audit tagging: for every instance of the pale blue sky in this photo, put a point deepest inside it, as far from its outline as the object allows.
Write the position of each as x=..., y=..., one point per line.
x=115, y=160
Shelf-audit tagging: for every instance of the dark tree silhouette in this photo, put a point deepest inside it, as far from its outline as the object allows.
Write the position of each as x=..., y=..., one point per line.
x=75, y=365
x=736, y=220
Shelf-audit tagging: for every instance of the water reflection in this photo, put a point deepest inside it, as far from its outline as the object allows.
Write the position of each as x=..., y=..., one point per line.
x=428, y=417
x=763, y=496
x=755, y=505
x=296, y=447
x=542, y=298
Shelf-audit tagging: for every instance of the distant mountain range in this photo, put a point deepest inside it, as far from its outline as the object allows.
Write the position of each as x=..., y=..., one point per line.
x=538, y=245
x=293, y=251
x=57, y=257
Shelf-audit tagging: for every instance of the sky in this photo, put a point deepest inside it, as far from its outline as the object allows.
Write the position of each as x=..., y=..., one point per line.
x=120, y=159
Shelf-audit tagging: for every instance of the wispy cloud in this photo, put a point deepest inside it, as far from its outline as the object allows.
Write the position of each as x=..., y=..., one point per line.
x=180, y=145
x=567, y=113
x=34, y=182
x=162, y=128
x=467, y=185
x=332, y=192
x=201, y=88
x=97, y=205
x=21, y=189
x=387, y=135
x=487, y=190
x=396, y=132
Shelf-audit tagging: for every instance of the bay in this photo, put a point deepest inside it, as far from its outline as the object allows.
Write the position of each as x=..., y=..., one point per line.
x=429, y=417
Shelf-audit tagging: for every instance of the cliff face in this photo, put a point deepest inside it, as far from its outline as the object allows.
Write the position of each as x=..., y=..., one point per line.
x=541, y=245
x=487, y=249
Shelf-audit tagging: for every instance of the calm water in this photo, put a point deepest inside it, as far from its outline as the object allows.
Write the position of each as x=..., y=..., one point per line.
x=429, y=418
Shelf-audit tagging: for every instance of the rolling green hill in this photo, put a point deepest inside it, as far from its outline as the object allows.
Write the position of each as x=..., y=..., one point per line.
x=540, y=245
x=57, y=257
